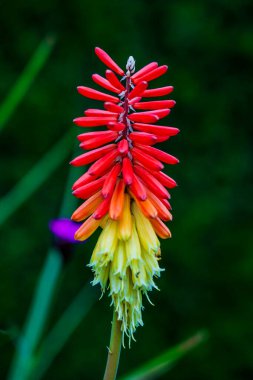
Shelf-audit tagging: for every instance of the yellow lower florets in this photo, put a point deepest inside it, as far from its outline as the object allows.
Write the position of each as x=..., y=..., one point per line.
x=125, y=260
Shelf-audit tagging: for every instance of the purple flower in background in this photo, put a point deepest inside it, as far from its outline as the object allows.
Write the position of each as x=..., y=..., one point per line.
x=64, y=230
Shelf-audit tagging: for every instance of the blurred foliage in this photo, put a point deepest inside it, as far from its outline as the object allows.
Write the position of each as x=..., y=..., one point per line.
x=208, y=280
x=159, y=365
x=18, y=91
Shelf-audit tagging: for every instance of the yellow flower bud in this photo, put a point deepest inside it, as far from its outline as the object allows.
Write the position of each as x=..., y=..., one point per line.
x=125, y=222
x=139, y=275
x=132, y=245
x=101, y=276
x=106, y=244
x=146, y=233
x=119, y=263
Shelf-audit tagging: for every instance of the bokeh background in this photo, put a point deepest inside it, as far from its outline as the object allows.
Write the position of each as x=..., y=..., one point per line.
x=208, y=46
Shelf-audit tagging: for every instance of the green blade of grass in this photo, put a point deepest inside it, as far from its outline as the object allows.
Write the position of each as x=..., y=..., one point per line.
x=35, y=177
x=160, y=364
x=20, y=88
x=23, y=361
x=62, y=330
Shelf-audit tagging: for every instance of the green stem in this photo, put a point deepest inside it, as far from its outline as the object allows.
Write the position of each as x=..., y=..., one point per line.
x=113, y=350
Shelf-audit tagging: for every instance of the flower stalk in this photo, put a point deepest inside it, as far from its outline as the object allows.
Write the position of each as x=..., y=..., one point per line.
x=113, y=349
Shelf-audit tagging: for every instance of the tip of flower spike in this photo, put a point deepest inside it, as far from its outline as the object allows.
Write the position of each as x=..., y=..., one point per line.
x=130, y=66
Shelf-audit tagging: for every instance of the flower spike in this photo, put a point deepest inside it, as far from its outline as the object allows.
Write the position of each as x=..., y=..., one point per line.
x=125, y=191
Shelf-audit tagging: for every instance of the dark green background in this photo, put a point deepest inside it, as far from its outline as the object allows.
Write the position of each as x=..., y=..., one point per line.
x=208, y=46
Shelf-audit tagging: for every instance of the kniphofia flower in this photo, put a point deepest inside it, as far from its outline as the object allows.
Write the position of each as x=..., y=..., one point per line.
x=125, y=190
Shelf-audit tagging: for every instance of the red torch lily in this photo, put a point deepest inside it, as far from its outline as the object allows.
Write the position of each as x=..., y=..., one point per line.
x=125, y=189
